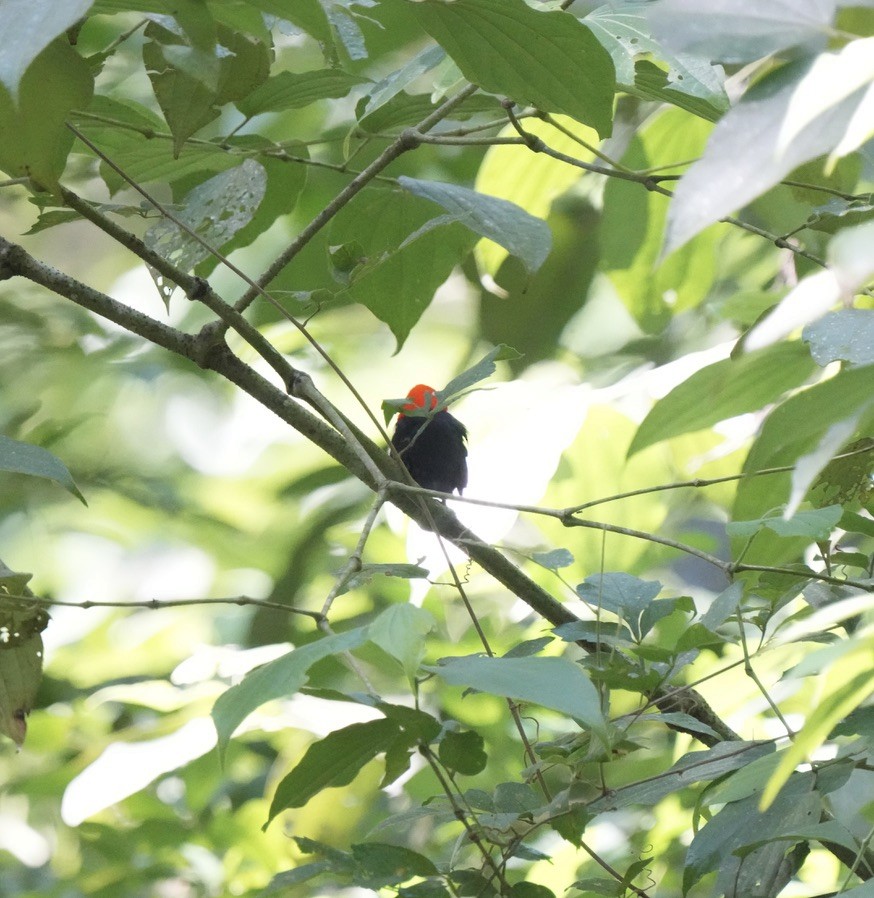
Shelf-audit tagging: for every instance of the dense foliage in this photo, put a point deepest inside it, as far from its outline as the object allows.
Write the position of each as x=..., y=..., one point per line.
x=630, y=244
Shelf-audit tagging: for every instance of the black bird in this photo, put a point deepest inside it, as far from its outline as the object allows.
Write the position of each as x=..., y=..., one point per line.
x=433, y=447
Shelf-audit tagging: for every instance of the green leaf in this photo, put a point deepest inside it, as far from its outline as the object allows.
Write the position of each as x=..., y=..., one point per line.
x=844, y=685
x=810, y=467
x=651, y=83
x=191, y=84
x=505, y=223
x=215, y=210
x=723, y=606
x=289, y=90
x=285, y=182
x=530, y=890
x=552, y=682
x=401, y=631
x=23, y=458
x=28, y=27
x=545, y=59
x=333, y=761
x=398, y=81
x=36, y=141
x=381, y=865
x=280, y=678
x=393, y=569
x=463, y=752
x=725, y=389
x=428, y=888
x=20, y=678
x=846, y=335
x=187, y=101
x=397, y=283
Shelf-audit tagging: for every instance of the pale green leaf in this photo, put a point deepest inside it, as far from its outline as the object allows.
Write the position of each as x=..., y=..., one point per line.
x=745, y=155
x=725, y=389
x=278, y=679
x=35, y=139
x=624, y=30
x=401, y=631
x=555, y=683
x=841, y=694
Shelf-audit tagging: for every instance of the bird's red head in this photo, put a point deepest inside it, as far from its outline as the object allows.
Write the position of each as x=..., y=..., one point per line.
x=421, y=397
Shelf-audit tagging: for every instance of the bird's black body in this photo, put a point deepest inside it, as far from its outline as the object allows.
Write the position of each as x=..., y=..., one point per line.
x=433, y=450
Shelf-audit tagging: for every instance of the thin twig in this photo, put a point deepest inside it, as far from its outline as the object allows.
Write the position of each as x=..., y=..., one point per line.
x=158, y=604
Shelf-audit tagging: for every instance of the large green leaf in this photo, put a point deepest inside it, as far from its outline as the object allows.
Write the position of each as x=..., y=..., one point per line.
x=192, y=83
x=35, y=140
x=402, y=263
x=844, y=681
x=725, y=389
x=741, y=823
x=401, y=631
x=545, y=59
x=552, y=682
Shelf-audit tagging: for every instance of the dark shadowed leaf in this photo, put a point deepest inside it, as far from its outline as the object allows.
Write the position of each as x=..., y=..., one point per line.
x=23, y=458
x=333, y=761
x=463, y=752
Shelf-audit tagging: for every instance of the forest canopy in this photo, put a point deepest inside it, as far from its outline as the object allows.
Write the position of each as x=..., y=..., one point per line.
x=625, y=250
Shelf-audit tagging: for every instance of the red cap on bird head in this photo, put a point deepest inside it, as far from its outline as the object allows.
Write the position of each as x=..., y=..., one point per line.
x=421, y=397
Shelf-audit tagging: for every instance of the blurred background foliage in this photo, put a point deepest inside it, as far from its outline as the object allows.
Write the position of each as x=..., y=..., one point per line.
x=196, y=492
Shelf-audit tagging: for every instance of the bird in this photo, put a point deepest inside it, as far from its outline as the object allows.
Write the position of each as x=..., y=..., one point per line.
x=433, y=448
